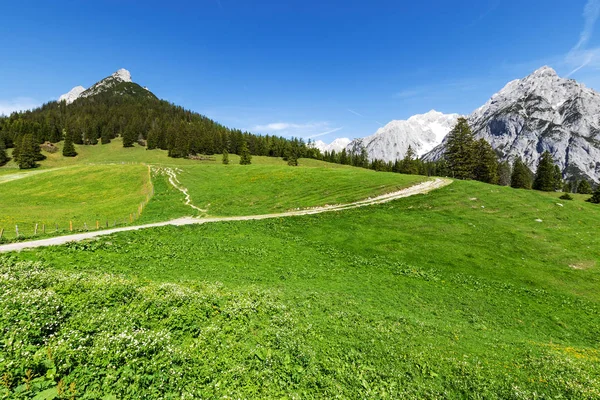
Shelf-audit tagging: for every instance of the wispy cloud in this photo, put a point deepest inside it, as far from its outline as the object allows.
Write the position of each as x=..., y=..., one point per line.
x=307, y=130
x=9, y=106
x=324, y=133
x=362, y=116
x=490, y=9
x=581, y=56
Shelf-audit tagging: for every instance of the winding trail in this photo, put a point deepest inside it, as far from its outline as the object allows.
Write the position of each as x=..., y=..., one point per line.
x=172, y=174
x=421, y=188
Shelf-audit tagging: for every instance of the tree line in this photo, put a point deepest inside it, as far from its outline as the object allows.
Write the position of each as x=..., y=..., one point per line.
x=144, y=120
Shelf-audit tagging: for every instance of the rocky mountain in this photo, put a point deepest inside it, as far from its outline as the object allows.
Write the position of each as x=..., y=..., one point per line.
x=120, y=83
x=422, y=132
x=542, y=112
x=337, y=145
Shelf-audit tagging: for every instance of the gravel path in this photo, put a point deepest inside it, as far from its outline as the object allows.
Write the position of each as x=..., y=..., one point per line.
x=421, y=188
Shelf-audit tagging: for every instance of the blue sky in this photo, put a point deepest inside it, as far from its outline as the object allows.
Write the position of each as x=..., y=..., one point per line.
x=321, y=69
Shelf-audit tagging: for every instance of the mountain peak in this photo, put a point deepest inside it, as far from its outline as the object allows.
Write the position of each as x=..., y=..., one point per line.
x=545, y=71
x=122, y=75
x=72, y=95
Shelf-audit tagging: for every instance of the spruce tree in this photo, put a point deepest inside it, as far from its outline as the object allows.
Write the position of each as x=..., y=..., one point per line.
x=486, y=162
x=17, y=150
x=545, y=174
x=460, y=154
x=105, y=135
x=584, y=187
x=595, y=199
x=521, y=175
x=409, y=164
x=27, y=155
x=3, y=156
x=225, y=157
x=293, y=159
x=558, y=178
x=69, y=147
x=504, y=173
x=245, y=157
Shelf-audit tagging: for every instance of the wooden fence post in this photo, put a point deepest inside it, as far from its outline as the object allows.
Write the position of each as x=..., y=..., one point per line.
x=85, y=226
x=71, y=226
x=17, y=230
x=55, y=227
x=44, y=229
x=1, y=233
x=97, y=224
x=35, y=229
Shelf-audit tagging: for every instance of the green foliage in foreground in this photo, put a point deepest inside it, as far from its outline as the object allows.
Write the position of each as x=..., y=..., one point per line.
x=367, y=303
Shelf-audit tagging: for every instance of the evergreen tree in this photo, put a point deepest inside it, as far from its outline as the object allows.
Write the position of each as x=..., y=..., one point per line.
x=245, y=157
x=545, y=174
x=3, y=156
x=521, y=175
x=486, y=162
x=130, y=137
x=558, y=179
x=595, y=199
x=225, y=157
x=27, y=155
x=17, y=150
x=69, y=147
x=460, y=153
x=293, y=159
x=504, y=173
x=584, y=187
x=105, y=135
x=409, y=164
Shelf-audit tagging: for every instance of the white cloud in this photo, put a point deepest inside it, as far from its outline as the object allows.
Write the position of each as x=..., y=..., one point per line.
x=580, y=56
x=304, y=130
x=7, y=107
x=325, y=133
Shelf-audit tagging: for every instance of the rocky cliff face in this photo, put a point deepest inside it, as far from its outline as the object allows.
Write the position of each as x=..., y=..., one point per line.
x=542, y=112
x=422, y=132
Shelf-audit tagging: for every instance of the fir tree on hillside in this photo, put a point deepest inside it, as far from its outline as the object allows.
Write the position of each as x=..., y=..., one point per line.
x=105, y=135
x=521, y=176
x=504, y=173
x=595, y=199
x=409, y=164
x=28, y=152
x=545, y=175
x=486, y=162
x=245, y=157
x=584, y=187
x=558, y=178
x=69, y=147
x=293, y=159
x=460, y=153
x=225, y=157
x=3, y=156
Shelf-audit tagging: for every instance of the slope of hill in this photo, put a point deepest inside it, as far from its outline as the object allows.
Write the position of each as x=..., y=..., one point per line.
x=542, y=112
x=338, y=305
x=421, y=132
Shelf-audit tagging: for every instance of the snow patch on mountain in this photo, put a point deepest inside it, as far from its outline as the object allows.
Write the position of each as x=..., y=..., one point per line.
x=337, y=145
x=72, y=95
x=422, y=132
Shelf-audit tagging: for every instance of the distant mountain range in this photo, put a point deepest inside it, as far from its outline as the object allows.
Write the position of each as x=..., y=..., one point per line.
x=541, y=112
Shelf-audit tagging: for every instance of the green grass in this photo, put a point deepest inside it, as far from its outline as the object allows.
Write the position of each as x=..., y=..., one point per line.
x=460, y=293
x=225, y=190
x=81, y=194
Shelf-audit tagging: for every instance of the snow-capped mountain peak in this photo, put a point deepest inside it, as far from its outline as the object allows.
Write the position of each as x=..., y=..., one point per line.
x=72, y=95
x=123, y=75
x=337, y=145
x=422, y=132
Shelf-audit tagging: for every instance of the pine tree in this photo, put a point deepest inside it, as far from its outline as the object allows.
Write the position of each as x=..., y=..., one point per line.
x=17, y=150
x=584, y=187
x=545, y=174
x=460, y=153
x=225, y=157
x=69, y=147
x=293, y=159
x=486, y=162
x=245, y=157
x=105, y=135
x=3, y=156
x=521, y=175
x=408, y=165
x=504, y=173
x=595, y=199
x=27, y=155
x=558, y=178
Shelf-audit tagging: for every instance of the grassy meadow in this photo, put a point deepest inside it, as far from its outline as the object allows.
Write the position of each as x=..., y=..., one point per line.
x=472, y=291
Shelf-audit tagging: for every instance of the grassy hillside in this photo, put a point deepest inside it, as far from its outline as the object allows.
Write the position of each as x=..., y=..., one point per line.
x=471, y=291
x=81, y=194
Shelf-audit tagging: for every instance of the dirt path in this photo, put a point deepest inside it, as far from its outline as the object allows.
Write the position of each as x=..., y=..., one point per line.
x=172, y=174
x=420, y=188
